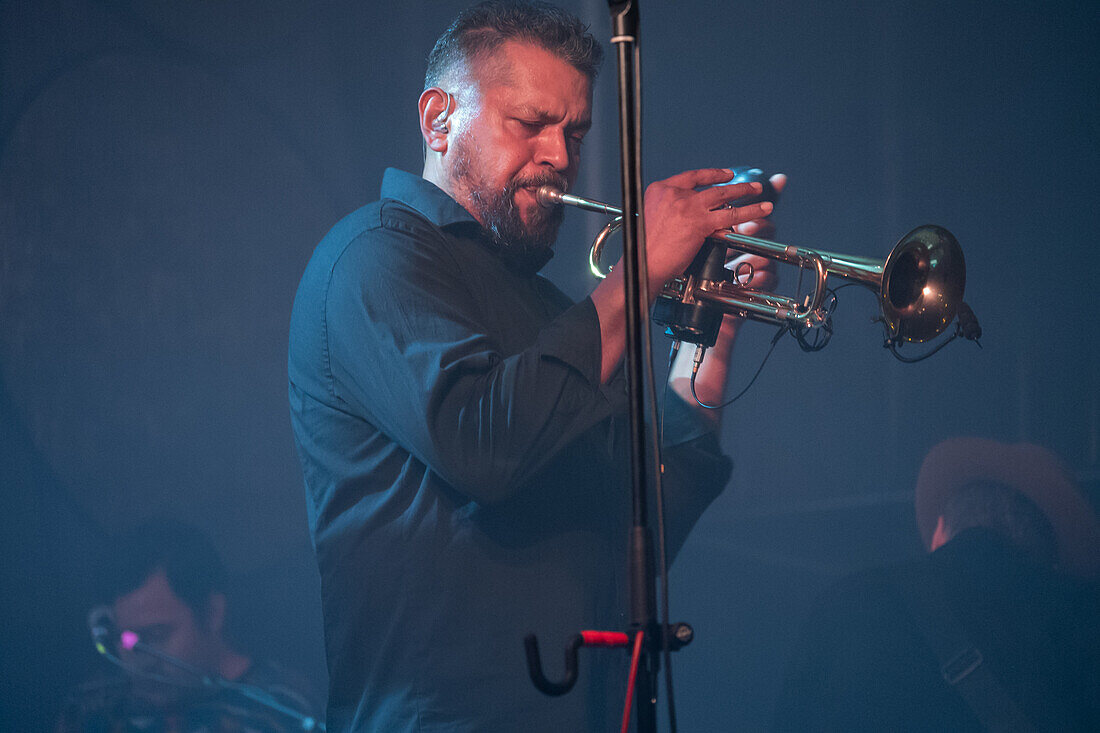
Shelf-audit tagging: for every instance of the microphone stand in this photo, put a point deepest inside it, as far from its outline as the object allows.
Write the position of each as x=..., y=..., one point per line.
x=217, y=682
x=644, y=446
x=650, y=636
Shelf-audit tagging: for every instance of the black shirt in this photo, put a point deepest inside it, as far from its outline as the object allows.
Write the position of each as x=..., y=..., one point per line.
x=464, y=474
x=863, y=662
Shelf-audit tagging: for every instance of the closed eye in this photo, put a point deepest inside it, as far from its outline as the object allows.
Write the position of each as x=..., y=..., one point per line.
x=532, y=125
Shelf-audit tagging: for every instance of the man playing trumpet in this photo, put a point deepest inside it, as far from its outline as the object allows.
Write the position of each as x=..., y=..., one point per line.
x=460, y=422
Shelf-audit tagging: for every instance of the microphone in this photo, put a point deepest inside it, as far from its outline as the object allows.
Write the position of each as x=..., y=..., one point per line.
x=968, y=323
x=101, y=622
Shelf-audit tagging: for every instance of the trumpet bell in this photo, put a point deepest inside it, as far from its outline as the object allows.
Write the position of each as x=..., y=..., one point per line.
x=922, y=284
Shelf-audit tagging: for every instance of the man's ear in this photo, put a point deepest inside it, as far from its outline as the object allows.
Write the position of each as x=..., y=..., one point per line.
x=435, y=107
x=215, y=613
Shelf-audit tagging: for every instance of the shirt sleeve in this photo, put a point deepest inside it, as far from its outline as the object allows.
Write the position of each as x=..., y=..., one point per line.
x=409, y=351
x=695, y=469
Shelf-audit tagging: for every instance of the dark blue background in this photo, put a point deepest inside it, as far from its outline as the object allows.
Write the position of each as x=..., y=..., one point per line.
x=167, y=167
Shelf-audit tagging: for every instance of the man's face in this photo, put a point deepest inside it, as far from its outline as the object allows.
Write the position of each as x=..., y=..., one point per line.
x=533, y=111
x=163, y=621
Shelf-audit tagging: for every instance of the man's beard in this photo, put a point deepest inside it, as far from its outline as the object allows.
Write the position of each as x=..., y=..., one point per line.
x=498, y=212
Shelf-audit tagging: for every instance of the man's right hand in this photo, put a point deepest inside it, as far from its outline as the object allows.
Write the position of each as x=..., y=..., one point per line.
x=678, y=218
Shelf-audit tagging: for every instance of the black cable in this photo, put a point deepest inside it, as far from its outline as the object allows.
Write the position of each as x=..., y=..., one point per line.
x=892, y=344
x=775, y=340
x=822, y=335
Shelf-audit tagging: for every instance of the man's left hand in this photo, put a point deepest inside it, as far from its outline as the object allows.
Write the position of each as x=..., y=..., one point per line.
x=753, y=271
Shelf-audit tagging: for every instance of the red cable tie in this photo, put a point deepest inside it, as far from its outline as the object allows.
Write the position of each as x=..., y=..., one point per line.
x=605, y=638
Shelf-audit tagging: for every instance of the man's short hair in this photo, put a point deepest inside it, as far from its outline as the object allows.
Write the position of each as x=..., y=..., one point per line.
x=481, y=29
x=999, y=507
x=190, y=563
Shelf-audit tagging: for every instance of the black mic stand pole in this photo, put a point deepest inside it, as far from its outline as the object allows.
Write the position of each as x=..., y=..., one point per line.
x=645, y=460
x=643, y=444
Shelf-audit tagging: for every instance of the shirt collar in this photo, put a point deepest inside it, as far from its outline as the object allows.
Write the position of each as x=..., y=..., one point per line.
x=427, y=198
x=439, y=208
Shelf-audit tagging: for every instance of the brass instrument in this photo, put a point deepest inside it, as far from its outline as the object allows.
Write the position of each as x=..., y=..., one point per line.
x=919, y=285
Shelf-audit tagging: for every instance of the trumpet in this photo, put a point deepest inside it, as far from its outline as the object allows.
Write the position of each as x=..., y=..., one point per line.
x=919, y=285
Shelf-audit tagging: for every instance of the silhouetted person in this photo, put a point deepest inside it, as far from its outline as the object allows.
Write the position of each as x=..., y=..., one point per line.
x=168, y=588
x=995, y=629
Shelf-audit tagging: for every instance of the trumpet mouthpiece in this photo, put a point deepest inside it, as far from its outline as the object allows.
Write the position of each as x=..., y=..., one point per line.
x=548, y=196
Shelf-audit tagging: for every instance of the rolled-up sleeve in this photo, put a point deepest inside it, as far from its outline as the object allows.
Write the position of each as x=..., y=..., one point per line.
x=696, y=470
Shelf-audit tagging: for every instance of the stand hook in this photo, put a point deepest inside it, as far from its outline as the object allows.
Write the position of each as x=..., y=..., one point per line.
x=534, y=666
